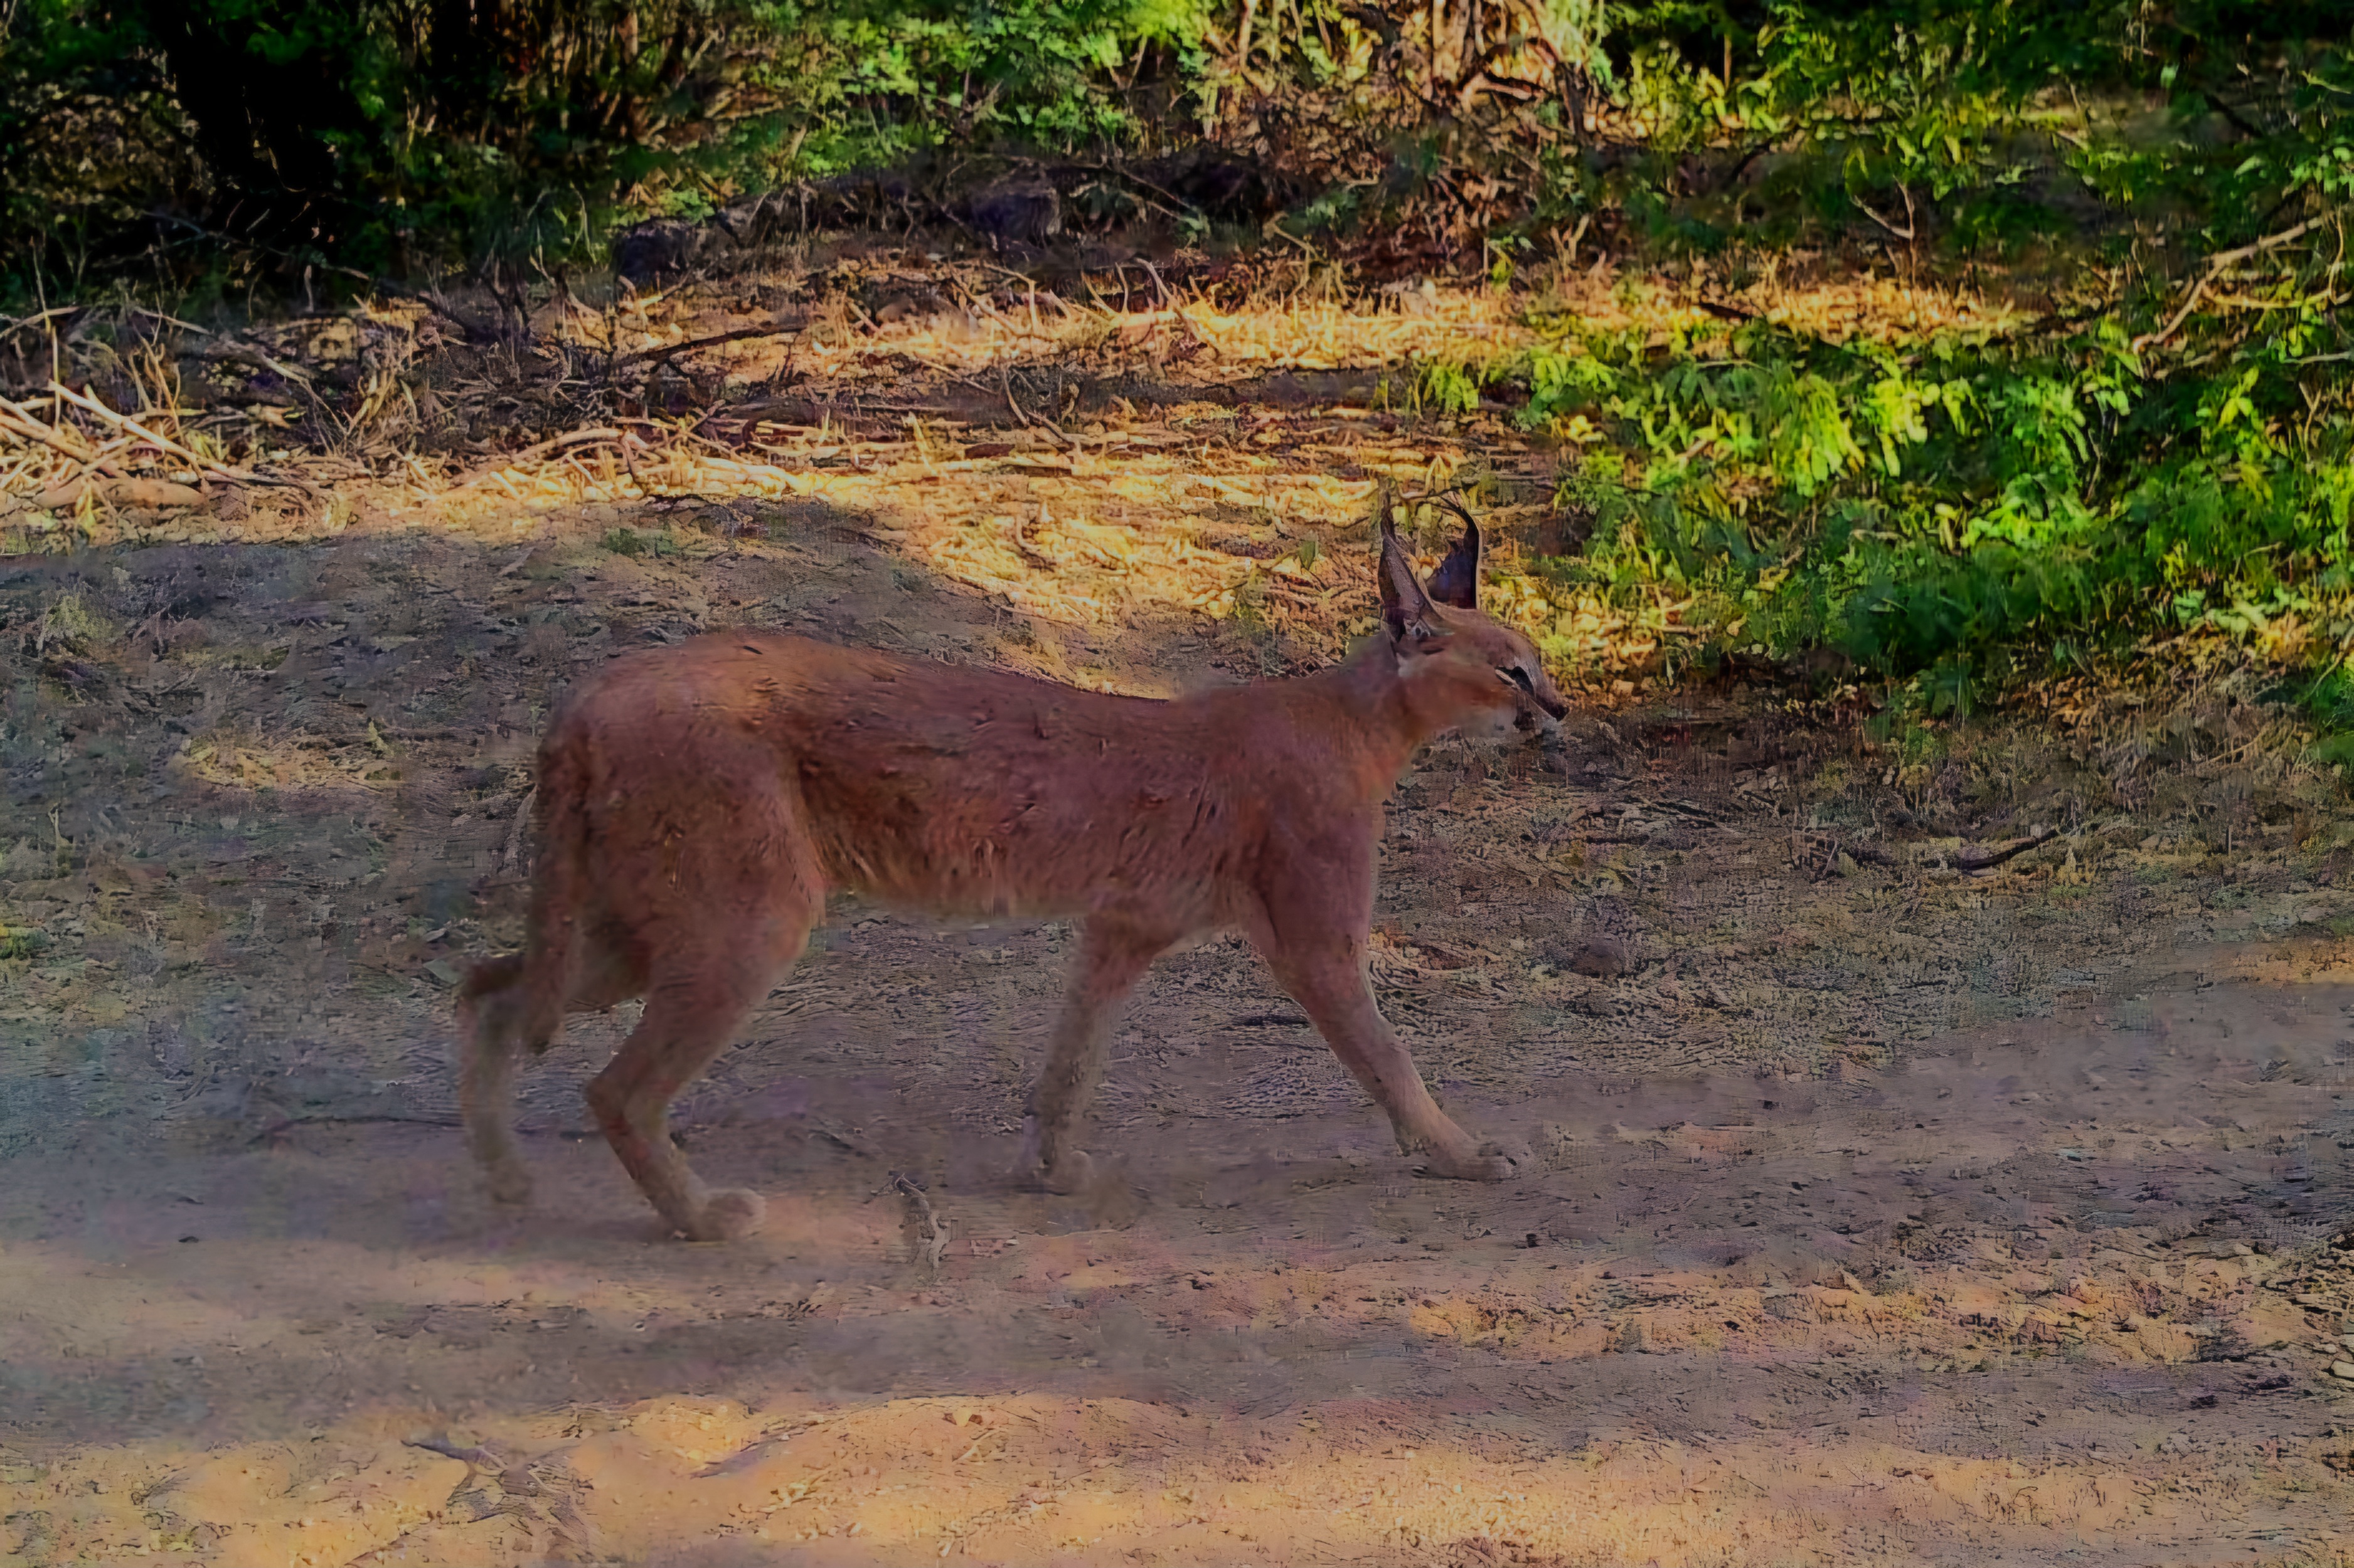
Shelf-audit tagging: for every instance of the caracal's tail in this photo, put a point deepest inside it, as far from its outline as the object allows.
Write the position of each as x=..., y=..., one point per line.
x=511, y=1001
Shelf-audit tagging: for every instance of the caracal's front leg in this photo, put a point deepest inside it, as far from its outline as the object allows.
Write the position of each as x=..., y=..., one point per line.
x=1314, y=935
x=1113, y=955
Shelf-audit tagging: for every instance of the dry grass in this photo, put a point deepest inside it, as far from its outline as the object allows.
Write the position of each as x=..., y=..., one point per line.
x=1093, y=528
x=961, y=441
x=296, y=762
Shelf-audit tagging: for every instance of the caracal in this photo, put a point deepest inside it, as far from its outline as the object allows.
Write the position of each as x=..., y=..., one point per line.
x=696, y=804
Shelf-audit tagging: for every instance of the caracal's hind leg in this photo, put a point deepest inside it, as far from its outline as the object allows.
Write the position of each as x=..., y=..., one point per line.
x=491, y=1018
x=719, y=929
x=1113, y=955
x=1312, y=933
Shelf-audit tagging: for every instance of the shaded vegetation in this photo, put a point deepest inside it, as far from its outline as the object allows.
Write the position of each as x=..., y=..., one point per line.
x=2155, y=438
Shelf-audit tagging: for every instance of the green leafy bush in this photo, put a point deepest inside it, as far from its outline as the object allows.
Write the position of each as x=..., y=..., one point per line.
x=1981, y=509
x=2159, y=442
x=393, y=133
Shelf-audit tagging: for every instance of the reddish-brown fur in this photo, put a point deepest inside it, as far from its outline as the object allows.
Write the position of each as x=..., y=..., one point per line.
x=697, y=804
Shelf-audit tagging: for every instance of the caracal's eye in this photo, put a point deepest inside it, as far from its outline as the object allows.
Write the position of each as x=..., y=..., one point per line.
x=1516, y=676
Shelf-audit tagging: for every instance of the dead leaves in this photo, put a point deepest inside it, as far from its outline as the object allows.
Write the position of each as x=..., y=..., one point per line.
x=300, y=760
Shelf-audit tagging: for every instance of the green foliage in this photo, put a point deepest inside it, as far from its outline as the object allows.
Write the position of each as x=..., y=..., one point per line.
x=913, y=73
x=397, y=131
x=89, y=129
x=1447, y=387
x=632, y=543
x=2168, y=446
x=21, y=941
x=2167, y=452
x=1972, y=512
x=381, y=127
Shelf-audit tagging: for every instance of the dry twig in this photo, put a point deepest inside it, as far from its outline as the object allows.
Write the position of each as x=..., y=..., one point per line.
x=155, y=439
x=1975, y=857
x=937, y=1242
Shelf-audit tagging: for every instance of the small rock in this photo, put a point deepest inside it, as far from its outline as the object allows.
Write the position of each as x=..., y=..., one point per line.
x=2342, y=1368
x=1602, y=956
x=1847, y=866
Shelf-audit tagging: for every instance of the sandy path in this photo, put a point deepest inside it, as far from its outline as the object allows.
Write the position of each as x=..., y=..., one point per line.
x=1286, y=1351
x=1900, y=1215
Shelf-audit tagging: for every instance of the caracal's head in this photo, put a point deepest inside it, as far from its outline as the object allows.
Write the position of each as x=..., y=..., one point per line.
x=1461, y=671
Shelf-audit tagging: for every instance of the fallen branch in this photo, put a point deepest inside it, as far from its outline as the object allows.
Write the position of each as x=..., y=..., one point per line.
x=2189, y=303
x=289, y=1123
x=1686, y=809
x=2215, y=267
x=846, y=1139
x=541, y=449
x=117, y=491
x=741, y=334
x=162, y=442
x=1907, y=233
x=477, y=331
x=478, y=1458
x=629, y=463
x=1005, y=381
x=1974, y=857
x=24, y=422
x=2223, y=259
x=253, y=358
x=937, y=1242
x=1818, y=855
x=19, y=323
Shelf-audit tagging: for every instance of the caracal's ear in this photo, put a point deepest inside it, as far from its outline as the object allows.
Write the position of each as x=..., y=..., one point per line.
x=1406, y=608
x=1455, y=583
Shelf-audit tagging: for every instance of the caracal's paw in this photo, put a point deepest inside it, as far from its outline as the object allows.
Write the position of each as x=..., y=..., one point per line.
x=1068, y=1172
x=507, y=1183
x=730, y=1214
x=1072, y=1172
x=1483, y=1162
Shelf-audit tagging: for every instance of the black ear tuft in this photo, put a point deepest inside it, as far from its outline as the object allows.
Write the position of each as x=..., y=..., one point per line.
x=1455, y=583
x=1404, y=603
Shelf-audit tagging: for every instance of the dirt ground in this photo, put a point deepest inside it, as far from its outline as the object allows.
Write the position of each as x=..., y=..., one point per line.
x=1870, y=1208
